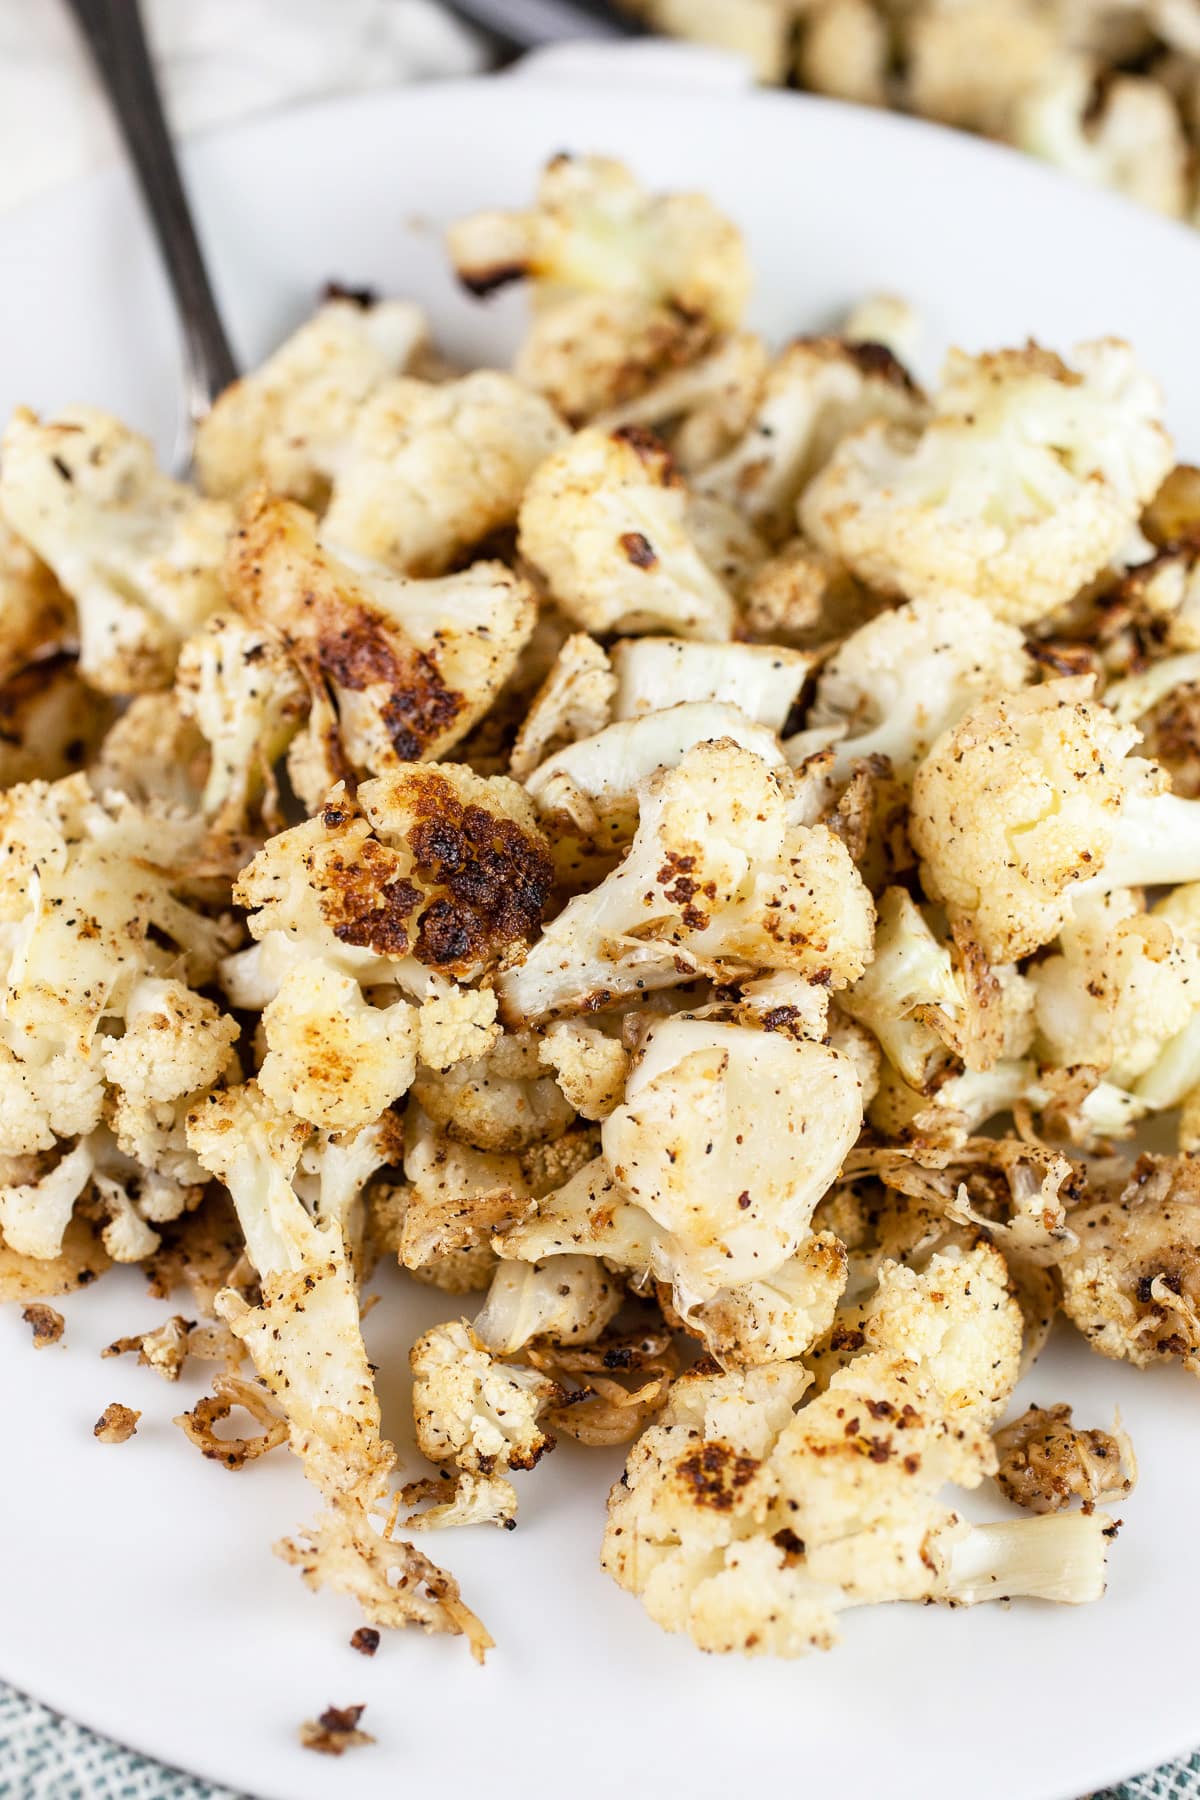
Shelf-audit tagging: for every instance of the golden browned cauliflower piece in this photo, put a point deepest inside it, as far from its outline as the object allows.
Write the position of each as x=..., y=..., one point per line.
x=1046, y=1462
x=1133, y=1285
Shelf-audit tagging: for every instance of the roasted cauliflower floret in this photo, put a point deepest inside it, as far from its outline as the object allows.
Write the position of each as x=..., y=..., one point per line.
x=176, y=1047
x=51, y=721
x=139, y=554
x=716, y=882
x=429, y=470
x=1031, y=794
x=409, y=665
x=1024, y=485
x=37, y=620
x=971, y=63
x=1121, y=987
x=503, y=1099
x=574, y=701
x=565, y=1299
x=242, y=691
x=332, y=1058
x=88, y=912
x=627, y=285
x=605, y=521
x=474, y=1411
x=925, y=1000
x=687, y=1190
x=814, y=394
x=305, y=1341
x=903, y=678
x=1132, y=1287
x=433, y=870
x=1117, y=130
x=750, y=1526
x=287, y=423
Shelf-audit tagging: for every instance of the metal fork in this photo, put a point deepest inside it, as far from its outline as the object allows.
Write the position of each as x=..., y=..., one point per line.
x=116, y=38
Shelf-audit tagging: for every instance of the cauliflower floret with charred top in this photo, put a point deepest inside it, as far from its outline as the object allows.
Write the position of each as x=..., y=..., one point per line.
x=751, y=1526
x=1024, y=485
x=605, y=521
x=432, y=871
x=429, y=470
x=717, y=882
x=139, y=554
x=626, y=285
x=409, y=666
x=287, y=423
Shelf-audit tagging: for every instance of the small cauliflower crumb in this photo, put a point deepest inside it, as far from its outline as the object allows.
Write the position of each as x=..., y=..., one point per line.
x=46, y=1324
x=116, y=1424
x=335, y=1731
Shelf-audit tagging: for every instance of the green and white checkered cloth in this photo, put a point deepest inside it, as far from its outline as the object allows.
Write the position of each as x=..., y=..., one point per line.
x=44, y=1757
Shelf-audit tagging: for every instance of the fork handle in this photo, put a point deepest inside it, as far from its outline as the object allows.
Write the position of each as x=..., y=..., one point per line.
x=116, y=39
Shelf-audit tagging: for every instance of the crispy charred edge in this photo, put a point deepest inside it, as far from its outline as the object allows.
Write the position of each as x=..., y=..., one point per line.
x=335, y=1731
x=652, y=453
x=355, y=653
x=875, y=361
x=1045, y=1461
x=233, y=1453
x=346, y=642
x=714, y=1473
x=597, y=1409
x=46, y=1324
x=489, y=279
x=116, y=1424
x=362, y=297
x=496, y=879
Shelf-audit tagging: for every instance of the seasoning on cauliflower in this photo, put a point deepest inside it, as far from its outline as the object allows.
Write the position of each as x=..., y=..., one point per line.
x=1023, y=486
x=473, y=1410
x=410, y=666
x=51, y=722
x=1132, y=1287
x=89, y=912
x=431, y=469
x=627, y=285
x=605, y=522
x=139, y=554
x=241, y=690
x=686, y=1190
x=926, y=999
x=431, y=871
x=503, y=1099
x=287, y=423
x=304, y=1339
x=750, y=1526
x=814, y=394
x=563, y=1299
x=716, y=882
x=589, y=1064
x=1046, y=1462
x=897, y=683
x=332, y=1058
x=36, y=618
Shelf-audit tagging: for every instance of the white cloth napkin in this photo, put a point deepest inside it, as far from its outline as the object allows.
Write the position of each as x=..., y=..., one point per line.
x=219, y=60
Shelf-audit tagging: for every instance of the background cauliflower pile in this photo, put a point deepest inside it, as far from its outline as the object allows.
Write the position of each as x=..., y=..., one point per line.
x=1107, y=89
x=657, y=840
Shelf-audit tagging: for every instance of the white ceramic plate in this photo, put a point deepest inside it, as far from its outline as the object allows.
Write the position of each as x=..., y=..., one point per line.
x=139, y=1593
